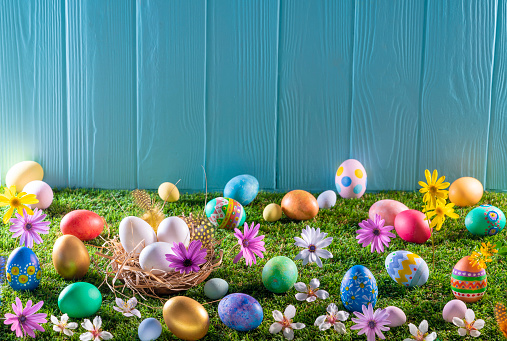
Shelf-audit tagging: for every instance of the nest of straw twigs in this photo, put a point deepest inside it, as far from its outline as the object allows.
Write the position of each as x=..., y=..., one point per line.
x=125, y=267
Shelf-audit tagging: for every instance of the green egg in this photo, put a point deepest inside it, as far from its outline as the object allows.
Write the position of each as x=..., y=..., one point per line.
x=485, y=220
x=79, y=300
x=279, y=274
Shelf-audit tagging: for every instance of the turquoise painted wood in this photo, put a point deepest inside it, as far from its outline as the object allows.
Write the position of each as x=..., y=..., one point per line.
x=127, y=94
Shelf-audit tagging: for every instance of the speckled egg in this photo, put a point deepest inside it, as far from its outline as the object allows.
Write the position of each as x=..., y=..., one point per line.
x=242, y=188
x=485, y=220
x=23, y=270
x=358, y=288
x=468, y=283
x=351, y=179
x=396, y=316
x=407, y=268
x=225, y=213
x=200, y=229
x=216, y=288
x=387, y=209
x=326, y=199
x=454, y=308
x=279, y=274
x=240, y=312
x=149, y=329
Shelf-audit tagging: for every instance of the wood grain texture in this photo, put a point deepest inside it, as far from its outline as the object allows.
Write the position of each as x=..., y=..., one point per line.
x=101, y=73
x=314, y=92
x=388, y=41
x=170, y=64
x=241, y=78
x=32, y=88
x=456, y=89
x=497, y=143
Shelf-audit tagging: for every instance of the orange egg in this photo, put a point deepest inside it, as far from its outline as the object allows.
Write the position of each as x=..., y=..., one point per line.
x=300, y=205
x=466, y=191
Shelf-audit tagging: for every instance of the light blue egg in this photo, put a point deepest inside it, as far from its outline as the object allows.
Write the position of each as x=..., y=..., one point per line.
x=240, y=312
x=358, y=288
x=407, y=268
x=22, y=269
x=216, y=288
x=243, y=188
x=149, y=329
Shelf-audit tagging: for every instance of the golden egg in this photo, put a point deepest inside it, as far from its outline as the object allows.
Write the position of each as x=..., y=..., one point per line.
x=186, y=318
x=70, y=257
x=168, y=192
x=466, y=191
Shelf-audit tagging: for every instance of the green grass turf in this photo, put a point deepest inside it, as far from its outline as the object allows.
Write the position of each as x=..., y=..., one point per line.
x=452, y=243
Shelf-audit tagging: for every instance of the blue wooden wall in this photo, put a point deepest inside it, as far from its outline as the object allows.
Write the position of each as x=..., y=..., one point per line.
x=126, y=94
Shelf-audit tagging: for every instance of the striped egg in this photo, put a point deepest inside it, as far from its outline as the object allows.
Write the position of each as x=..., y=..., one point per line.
x=225, y=213
x=468, y=282
x=407, y=268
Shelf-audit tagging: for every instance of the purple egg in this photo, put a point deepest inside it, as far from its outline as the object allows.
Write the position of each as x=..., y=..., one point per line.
x=240, y=312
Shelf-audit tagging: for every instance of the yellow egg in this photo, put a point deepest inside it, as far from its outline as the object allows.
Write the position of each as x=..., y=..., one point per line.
x=22, y=173
x=70, y=257
x=168, y=192
x=186, y=318
x=466, y=191
x=272, y=212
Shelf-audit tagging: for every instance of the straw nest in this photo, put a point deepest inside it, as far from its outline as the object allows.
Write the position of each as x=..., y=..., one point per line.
x=125, y=267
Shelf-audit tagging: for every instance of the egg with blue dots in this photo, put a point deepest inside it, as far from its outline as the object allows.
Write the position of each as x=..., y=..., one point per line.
x=351, y=179
x=358, y=288
x=23, y=270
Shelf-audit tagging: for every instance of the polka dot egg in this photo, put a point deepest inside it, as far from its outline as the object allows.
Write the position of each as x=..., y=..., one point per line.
x=200, y=229
x=350, y=179
x=23, y=269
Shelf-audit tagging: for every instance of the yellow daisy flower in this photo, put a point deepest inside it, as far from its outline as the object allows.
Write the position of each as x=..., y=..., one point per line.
x=16, y=202
x=478, y=259
x=440, y=211
x=488, y=249
x=434, y=190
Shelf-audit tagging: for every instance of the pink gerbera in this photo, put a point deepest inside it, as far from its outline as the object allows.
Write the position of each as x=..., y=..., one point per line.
x=375, y=233
x=186, y=261
x=25, y=321
x=371, y=323
x=251, y=245
x=28, y=227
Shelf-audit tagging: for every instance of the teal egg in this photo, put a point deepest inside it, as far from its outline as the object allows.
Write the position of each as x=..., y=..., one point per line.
x=485, y=220
x=225, y=213
x=80, y=299
x=216, y=288
x=279, y=274
x=22, y=269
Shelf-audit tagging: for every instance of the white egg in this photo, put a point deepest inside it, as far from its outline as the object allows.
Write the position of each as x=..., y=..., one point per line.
x=326, y=199
x=42, y=191
x=173, y=230
x=152, y=258
x=136, y=233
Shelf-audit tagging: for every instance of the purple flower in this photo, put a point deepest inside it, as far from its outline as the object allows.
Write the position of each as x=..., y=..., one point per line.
x=186, y=261
x=28, y=227
x=371, y=323
x=251, y=245
x=25, y=321
x=375, y=233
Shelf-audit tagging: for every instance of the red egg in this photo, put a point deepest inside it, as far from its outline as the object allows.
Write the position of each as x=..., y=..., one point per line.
x=83, y=224
x=411, y=226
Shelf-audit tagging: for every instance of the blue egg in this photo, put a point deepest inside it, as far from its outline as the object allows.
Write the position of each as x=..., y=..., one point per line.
x=358, y=288
x=240, y=312
x=23, y=270
x=242, y=188
x=149, y=329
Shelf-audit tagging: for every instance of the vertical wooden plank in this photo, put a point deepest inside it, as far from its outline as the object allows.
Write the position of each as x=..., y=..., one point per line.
x=497, y=146
x=101, y=69
x=456, y=89
x=241, y=90
x=32, y=88
x=171, y=59
x=314, y=101
x=386, y=81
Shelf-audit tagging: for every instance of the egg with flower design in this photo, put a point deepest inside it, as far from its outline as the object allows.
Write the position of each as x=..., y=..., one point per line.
x=358, y=288
x=23, y=270
x=485, y=220
x=225, y=213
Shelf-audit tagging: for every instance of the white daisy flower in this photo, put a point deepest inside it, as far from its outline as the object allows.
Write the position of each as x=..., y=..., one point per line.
x=310, y=293
x=333, y=317
x=469, y=326
x=63, y=326
x=284, y=322
x=314, y=243
x=127, y=309
x=421, y=334
x=94, y=332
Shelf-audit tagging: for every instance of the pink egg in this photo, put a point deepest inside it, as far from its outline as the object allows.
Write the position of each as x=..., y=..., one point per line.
x=387, y=209
x=454, y=308
x=42, y=191
x=411, y=226
x=396, y=316
x=350, y=179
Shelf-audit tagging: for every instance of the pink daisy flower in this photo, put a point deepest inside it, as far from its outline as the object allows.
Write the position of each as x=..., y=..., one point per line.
x=28, y=227
x=186, y=261
x=375, y=233
x=251, y=245
x=371, y=323
x=25, y=321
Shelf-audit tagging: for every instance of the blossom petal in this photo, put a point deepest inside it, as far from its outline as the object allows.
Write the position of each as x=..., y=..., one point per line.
x=290, y=312
x=458, y=322
x=301, y=296
x=314, y=283
x=300, y=286
x=423, y=327
x=277, y=315
x=288, y=333
x=469, y=316
x=479, y=324
x=275, y=328
x=413, y=329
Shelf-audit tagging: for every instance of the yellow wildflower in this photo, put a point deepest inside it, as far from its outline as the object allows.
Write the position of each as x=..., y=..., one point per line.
x=434, y=190
x=479, y=259
x=440, y=211
x=16, y=202
x=488, y=249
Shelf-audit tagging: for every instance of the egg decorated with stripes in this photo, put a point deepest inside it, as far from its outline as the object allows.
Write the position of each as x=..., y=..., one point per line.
x=407, y=268
x=225, y=213
x=468, y=282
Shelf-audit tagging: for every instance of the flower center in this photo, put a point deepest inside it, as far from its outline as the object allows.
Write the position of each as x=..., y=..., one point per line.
x=310, y=292
x=433, y=190
x=187, y=263
x=246, y=243
x=15, y=202
x=372, y=324
x=22, y=318
x=28, y=227
x=439, y=211
x=286, y=322
x=420, y=336
x=376, y=232
x=470, y=326
x=95, y=333
x=331, y=319
x=312, y=248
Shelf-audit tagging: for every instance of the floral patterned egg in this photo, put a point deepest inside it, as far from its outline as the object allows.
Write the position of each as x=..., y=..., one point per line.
x=23, y=270
x=350, y=179
x=358, y=288
x=407, y=268
x=225, y=213
x=485, y=220
x=200, y=229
